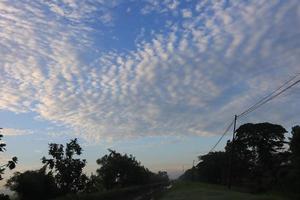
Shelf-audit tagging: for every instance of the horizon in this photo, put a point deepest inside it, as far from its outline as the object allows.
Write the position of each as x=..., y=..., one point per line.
x=157, y=79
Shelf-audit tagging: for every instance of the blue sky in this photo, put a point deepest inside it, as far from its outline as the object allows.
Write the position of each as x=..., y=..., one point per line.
x=159, y=79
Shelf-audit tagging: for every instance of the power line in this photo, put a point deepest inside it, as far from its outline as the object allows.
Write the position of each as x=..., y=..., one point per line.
x=269, y=94
x=252, y=108
x=258, y=104
x=222, y=136
x=270, y=97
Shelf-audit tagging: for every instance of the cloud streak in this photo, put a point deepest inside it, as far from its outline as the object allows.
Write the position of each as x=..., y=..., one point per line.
x=211, y=61
x=15, y=132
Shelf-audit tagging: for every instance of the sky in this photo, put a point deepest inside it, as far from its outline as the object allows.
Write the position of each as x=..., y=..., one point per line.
x=159, y=79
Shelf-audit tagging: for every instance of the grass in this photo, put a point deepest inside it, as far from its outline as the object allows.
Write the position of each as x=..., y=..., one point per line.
x=202, y=191
x=128, y=193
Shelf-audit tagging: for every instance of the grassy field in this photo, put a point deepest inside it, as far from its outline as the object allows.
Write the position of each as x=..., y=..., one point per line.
x=199, y=191
x=145, y=192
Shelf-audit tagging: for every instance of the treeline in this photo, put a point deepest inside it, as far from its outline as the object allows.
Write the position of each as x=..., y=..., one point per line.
x=259, y=158
x=62, y=174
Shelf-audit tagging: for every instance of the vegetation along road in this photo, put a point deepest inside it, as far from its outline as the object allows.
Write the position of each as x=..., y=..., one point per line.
x=199, y=191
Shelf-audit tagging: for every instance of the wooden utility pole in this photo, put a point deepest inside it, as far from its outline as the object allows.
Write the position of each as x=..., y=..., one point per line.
x=231, y=154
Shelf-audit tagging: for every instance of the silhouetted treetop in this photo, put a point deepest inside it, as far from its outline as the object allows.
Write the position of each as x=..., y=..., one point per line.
x=33, y=185
x=11, y=164
x=117, y=170
x=68, y=170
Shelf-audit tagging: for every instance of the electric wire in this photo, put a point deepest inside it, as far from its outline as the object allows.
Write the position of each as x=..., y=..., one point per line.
x=222, y=136
x=270, y=97
x=260, y=103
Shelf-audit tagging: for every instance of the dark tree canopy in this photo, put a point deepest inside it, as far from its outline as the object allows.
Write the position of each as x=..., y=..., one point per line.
x=93, y=184
x=263, y=140
x=11, y=164
x=33, y=185
x=295, y=146
x=213, y=167
x=294, y=169
x=4, y=197
x=117, y=170
x=67, y=170
x=259, y=160
x=257, y=146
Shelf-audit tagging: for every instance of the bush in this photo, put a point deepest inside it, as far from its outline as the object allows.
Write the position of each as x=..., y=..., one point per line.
x=4, y=197
x=33, y=185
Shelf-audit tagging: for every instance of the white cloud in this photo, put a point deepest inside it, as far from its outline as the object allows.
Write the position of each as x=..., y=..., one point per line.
x=15, y=132
x=107, y=18
x=189, y=80
x=186, y=13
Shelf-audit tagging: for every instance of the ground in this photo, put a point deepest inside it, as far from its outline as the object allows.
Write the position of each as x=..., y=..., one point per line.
x=199, y=191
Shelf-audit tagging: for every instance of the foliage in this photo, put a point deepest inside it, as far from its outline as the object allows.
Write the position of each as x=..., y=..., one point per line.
x=183, y=190
x=93, y=184
x=33, y=185
x=212, y=167
x=190, y=175
x=262, y=141
x=295, y=147
x=161, y=176
x=257, y=147
x=4, y=197
x=119, y=171
x=128, y=193
x=11, y=164
x=259, y=157
x=67, y=170
x=292, y=171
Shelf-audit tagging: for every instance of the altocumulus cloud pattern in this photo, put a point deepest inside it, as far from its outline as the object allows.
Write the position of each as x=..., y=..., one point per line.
x=187, y=69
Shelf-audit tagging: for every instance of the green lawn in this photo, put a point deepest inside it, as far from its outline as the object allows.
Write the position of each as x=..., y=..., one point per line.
x=199, y=191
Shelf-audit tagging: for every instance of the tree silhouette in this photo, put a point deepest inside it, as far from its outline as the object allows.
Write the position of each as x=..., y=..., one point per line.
x=4, y=197
x=11, y=164
x=119, y=170
x=294, y=170
x=33, y=185
x=260, y=160
x=295, y=147
x=257, y=148
x=67, y=170
x=94, y=184
x=213, y=167
x=162, y=176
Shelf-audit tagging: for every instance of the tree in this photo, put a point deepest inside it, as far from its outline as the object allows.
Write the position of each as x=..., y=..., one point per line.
x=162, y=176
x=11, y=164
x=190, y=175
x=67, y=170
x=258, y=146
x=213, y=167
x=295, y=147
x=240, y=158
x=119, y=170
x=4, y=197
x=294, y=170
x=93, y=184
x=33, y=185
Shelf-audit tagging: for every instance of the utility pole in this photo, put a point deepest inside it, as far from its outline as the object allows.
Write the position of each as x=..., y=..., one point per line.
x=231, y=153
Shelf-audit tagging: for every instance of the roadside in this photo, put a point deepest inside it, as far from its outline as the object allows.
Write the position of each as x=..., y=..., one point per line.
x=146, y=192
x=202, y=191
